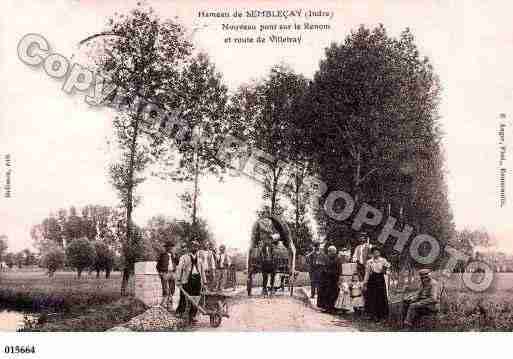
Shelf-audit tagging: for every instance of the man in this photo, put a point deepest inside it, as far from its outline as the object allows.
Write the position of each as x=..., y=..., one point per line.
x=315, y=260
x=222, y=264
x=281, y=256
x=208, y=256
x=361, y=254
x=166, y=266
x=328, y=289
x=190, y=277
x=425, y=301
x=268, y=264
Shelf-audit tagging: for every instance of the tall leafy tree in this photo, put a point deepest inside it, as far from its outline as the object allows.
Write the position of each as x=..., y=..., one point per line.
x=3, y=246
x=374, y=129
x=201, y=106
x=265, y=112
x=142, y=58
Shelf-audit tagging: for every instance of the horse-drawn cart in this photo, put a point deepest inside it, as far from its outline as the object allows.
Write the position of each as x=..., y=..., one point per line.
x=284, y=265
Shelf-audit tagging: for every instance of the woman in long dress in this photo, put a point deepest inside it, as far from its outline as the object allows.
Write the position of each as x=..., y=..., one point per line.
x=376, y=302
x=328, y=289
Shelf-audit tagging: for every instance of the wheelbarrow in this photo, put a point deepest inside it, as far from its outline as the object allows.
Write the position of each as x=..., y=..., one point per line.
x=212, y=304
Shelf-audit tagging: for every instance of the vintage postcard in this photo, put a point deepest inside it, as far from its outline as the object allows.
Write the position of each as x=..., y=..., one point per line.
x=247, y=166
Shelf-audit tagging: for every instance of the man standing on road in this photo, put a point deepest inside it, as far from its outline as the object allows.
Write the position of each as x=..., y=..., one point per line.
x=425, y=301
x=361, y=254
x=222, y=264
x=315, y=260
x=208, y=257
x=166, y=268
x=190, y=276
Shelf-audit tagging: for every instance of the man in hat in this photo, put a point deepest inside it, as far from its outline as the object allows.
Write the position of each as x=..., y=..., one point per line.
x=328, y=288
x=222, y=264
x=315, y=260
x=166, y=266
x=208, y=256
x=361, y=254
x=425, y=301
x=190, y=276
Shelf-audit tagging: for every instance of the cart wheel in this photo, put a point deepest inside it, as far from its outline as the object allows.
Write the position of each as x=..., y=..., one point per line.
x=250, y=283
x=222, y=307
x=215, y=320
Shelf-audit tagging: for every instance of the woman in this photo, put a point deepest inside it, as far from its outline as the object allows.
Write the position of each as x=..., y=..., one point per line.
x=376, y=302
x=328, y=289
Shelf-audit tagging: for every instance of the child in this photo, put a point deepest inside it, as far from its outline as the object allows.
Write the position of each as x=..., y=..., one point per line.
x=344, y=297
x=356, y=295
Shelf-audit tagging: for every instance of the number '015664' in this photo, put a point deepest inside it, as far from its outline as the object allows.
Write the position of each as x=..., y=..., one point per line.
x=19, y=349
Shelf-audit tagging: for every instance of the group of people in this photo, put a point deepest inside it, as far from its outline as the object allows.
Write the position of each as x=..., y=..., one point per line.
x=362, y=287
x=197, y=267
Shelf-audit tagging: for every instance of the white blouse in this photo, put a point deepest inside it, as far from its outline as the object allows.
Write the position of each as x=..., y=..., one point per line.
x=379, y=265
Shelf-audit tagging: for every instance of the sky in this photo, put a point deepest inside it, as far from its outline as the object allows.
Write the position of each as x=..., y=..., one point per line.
x=59, y=145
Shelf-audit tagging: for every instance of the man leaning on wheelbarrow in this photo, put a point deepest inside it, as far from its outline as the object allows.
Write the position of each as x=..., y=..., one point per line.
x=190, y=275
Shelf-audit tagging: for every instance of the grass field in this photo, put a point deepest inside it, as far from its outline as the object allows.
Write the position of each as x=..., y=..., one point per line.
x=67, y=303
x=35, y=291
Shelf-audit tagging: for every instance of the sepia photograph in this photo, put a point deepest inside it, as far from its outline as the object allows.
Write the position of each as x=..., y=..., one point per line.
x=247, y=166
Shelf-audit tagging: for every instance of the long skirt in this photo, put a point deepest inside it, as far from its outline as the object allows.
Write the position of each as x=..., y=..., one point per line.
x=376, y=302
x=315, y=277
x=193, y=288
x=328, y=291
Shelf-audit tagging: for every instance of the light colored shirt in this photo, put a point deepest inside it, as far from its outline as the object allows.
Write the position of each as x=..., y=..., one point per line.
x=171, y=265
x=194, y=269
x=223, y=260
x=378, y=265
x=361, y=253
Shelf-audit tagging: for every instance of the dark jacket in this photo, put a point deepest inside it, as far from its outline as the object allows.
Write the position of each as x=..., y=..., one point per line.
x=163, y=262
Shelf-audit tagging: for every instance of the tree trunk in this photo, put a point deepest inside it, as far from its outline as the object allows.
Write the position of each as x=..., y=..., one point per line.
x=98, y=274
x=195, y=194
x=107, y=274
x=129, y=207
x=274, y=190
x=79, y=273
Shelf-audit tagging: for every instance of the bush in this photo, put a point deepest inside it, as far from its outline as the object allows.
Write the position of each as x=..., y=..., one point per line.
x=103, y=260
x=53, y=260
x=80, y=254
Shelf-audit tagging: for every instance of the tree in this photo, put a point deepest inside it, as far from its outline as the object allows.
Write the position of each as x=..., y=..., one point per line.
x=10, y=259
x=372, y=126
x=142, y=57
x=265, y=112
x=80, y=254
x=201, y=105
x=19, y=259
x=3, y=246
x=53, y=259
x=29, y=258
x=161, y=230
x=103, y=259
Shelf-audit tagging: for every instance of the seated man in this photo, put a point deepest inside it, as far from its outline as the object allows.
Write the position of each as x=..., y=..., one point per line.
x=425, y=301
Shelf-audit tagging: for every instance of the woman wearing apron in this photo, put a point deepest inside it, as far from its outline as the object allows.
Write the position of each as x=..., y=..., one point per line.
x=376, y=302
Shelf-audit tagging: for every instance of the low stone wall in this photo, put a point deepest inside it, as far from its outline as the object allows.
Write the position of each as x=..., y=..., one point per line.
x=147, y=286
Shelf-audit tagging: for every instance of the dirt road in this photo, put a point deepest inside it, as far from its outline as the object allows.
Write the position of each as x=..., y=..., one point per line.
x=279, y=313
